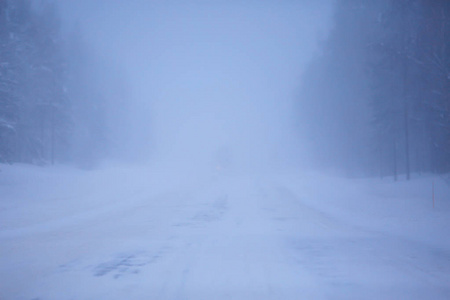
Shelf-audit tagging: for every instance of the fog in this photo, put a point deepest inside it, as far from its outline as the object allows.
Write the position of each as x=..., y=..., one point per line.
x=169, y=149
x=204, y=79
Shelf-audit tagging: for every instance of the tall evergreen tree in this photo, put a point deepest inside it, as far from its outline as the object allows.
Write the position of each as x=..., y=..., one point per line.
x=402, y=51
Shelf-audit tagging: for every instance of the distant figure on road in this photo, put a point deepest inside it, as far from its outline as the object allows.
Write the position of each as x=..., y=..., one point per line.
x=222, y=159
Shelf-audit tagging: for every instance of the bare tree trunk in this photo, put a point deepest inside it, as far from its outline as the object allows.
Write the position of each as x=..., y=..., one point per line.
x=407, y=141
x=404, y=71
x=52, y=136
x=395, y=159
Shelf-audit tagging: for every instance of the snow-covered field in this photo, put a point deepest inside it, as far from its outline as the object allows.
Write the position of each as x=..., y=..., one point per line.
x=134, y=233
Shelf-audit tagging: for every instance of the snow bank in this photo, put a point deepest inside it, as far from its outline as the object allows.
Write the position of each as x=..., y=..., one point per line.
x=403, y=208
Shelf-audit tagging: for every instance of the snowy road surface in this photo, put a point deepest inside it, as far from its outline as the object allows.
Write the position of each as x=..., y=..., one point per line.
x=240, y=237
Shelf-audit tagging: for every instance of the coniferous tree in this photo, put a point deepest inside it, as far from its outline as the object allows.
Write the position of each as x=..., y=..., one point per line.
x=402, y=51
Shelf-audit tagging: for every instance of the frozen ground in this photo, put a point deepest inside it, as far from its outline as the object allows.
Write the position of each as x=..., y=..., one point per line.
x=127, y=233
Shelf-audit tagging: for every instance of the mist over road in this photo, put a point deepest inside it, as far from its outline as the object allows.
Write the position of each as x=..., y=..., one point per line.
x=204, y=75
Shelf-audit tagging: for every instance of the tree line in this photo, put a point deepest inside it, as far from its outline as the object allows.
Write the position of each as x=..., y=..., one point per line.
x=47, y=104
x=380, y=90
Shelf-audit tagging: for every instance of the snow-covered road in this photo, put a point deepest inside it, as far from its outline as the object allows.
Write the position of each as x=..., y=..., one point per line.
x=237, y=237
